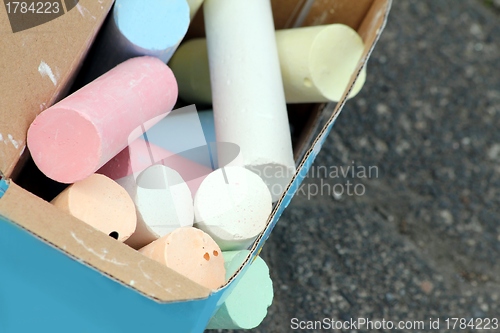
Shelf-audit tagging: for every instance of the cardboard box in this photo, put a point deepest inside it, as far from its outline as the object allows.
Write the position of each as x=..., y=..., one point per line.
x=58, y=274
x=37, y=66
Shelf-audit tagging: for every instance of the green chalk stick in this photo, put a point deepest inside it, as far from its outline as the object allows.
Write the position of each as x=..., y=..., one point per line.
x=246, y=307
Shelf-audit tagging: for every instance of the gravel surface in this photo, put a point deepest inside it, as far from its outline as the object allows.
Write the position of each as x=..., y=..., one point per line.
x=423, y=240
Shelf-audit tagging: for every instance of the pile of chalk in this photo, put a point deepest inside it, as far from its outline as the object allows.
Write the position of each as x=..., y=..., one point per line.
x=191, y=190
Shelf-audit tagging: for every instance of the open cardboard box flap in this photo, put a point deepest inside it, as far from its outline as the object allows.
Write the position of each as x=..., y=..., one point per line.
x=37, y=67
x=96, y=249
x=29, y=93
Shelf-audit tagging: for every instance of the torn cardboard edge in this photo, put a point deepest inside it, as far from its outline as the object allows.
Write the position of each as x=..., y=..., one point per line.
x=122, y=264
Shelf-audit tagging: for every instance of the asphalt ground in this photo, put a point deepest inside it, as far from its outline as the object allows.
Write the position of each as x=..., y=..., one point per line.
x=423, y=239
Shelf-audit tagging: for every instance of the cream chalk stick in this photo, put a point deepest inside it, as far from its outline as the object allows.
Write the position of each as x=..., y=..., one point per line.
x=190, y=66
x=194, y=5
x=316, y=65
x=101, y=203
x=248, y=98
x=246, y=306
x=192, y=253
x=320, y=62
x=75, y=137
x=163, y=202
x=232, y=205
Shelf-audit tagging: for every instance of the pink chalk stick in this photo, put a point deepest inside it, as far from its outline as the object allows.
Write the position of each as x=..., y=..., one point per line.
x=141, y=154
x=75, y=137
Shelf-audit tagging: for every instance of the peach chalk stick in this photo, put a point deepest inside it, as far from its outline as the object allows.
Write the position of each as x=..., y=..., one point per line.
x=248, y=97
x=75, y=137
x=192, y=253
x=163, y=202
x=232, y=205
x=246, y=306
x=101, y=203
x=316, y=65
x=141, y=154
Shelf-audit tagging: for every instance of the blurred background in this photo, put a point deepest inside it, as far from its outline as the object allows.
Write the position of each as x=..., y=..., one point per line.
x=423, y=240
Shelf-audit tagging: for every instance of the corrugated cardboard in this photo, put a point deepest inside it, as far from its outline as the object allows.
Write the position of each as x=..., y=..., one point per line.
x=25, y=56
x=70, y=278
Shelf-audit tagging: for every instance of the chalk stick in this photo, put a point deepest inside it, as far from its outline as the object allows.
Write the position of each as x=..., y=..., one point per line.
x=194, y=5
x=192, y=253
x=75, y=137
x=320, y=62
x=135, y=29
x=101, y=203
x=246, y=306
x=316, y=65
x=163, y=202
x=232, y=205
x=248, y=97
x=190, y=66
x=140, y=154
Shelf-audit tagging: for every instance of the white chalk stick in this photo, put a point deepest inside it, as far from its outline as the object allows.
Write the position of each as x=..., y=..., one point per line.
x=316, y=65
x=163, y=202
x=248, y=97
x=140, y=154
x=232, y=205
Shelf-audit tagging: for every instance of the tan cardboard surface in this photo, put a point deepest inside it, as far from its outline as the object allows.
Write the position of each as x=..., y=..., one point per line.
x=95, y=248
x=285, y=12
x=36, y=67
x=348, y=12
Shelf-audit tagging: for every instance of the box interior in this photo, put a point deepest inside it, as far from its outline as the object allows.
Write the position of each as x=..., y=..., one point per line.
x=24, y=203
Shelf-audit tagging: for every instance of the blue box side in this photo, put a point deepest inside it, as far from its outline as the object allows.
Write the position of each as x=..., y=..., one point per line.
x=44, y=290
x=294, y=187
